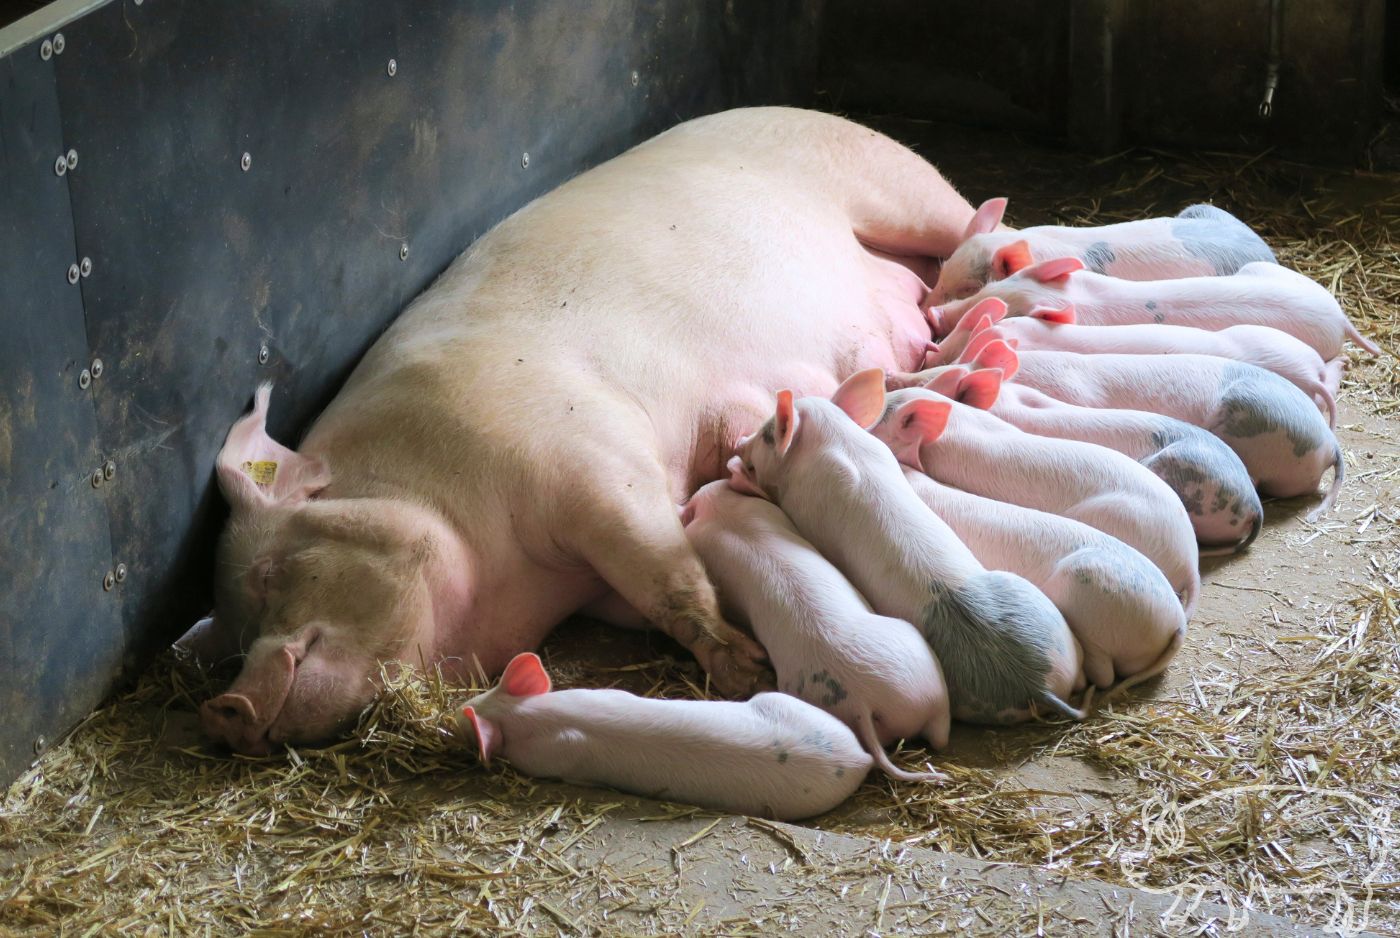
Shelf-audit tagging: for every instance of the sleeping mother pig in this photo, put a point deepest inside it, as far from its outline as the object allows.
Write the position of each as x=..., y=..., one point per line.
x=512, y=449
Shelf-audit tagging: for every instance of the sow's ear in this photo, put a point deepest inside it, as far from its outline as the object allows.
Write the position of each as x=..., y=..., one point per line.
x=1011, y=258
x=979, y=389
x=1057, y=269
x=986, y=218
x=525, y=676
x=862, y=397
x=488, y=734
x=922, y=420
x=255, y=471
x=785, y=421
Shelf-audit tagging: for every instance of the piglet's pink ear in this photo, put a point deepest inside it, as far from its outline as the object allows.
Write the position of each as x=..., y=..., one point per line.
x=488, y=734
x=1057, y=269
x=979, y=389
x=862, y=397
x=946, y=381
x=1000, y=356
x=255, y=471
x=1011, y=258
x=922, y=420
x=1062, y=316
x=986, y=218
x=991, y=309
x=525, y=676
x=785, y=421
x=978, y=342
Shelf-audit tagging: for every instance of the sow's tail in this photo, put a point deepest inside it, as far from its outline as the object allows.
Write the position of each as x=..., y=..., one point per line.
x=866, y=731
x=1152, y=670
x=1339, y=474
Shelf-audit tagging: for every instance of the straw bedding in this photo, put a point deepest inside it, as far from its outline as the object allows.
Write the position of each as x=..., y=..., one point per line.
x=1269, y=780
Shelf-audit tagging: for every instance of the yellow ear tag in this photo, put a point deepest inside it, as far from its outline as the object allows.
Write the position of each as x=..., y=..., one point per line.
x=263, y=472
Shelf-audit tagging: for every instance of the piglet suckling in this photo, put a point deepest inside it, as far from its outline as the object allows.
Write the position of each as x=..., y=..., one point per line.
x=770, y=756
x=964, y=446
x=1213, y=485
x=1128, y=620
x=1259, y=294
x=1056, y=331
x=1272, y=426
x=1200, y=241
x=1005, y=649
x=876, y=674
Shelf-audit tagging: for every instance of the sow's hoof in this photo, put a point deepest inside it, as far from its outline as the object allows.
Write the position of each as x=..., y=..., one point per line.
x=739, y=667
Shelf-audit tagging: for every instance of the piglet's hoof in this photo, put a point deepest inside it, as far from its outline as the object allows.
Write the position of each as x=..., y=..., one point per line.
x=739, y=667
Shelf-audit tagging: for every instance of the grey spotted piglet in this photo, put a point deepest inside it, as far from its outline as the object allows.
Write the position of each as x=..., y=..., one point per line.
x=1005, y=649
x=770, y=756
x=1212, y=484
x=1272, y=426
x=876, y=674
x=1200, y=241
x=1121, y=608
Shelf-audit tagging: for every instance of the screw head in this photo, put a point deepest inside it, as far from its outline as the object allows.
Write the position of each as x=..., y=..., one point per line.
x=73, y=273
x=109, y=469
x=60, y=166
x=393, y=67
x=58, y=43
x=246, y=162
x=121, y=573
x=636, y=78
x=96, y=368
x=524, y=161
x=85, y=267
x=46, y=50
x=264, y=354
x=71, y=158
x=39, y=743
x=109, y=581
x=403, y=251
x=97, y=478
x=84, y=379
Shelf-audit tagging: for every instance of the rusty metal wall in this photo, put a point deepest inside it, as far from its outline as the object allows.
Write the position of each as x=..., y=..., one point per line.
x=256, y=190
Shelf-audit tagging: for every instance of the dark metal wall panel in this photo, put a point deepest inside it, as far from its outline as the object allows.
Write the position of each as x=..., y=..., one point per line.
x=60, y=631
x=362, y=182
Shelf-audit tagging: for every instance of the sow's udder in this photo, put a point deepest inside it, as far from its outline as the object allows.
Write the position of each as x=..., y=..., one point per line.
x=997, y=638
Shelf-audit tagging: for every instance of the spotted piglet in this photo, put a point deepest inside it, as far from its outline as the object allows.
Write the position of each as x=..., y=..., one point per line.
x=1200, y=241
x=1120, y=607
x=1260, y=295
x=1057, y=331
x=771, y=756
x=876, y=674
x=1213, y=485
x=1275, y=430
x=1005, y=649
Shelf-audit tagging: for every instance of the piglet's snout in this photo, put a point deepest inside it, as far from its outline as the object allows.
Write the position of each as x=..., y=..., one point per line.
x=233, y=720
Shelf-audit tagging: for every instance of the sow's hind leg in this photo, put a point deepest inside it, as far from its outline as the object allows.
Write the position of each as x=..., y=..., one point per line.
x=624, y=525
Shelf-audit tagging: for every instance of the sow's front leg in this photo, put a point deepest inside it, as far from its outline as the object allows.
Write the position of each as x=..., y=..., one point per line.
x=624, y=525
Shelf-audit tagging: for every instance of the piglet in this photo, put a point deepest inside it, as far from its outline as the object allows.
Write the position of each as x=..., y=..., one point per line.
x=969, y=448
x=1201, y=241
x=1056, y=331
x=1121, y=608
x=874, y=673
x=772, y=755
x=1213, y=485
x=1260, y=295
x=1271, y=425
x=1005, y=649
